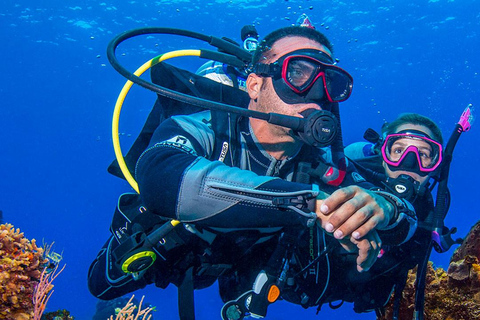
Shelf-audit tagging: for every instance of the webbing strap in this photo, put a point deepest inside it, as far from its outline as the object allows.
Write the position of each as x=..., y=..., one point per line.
x=186, y=302
x=399, y=287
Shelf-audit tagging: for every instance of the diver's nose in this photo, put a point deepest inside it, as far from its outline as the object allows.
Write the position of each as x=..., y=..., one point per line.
x=410, y=161
x=316, y=94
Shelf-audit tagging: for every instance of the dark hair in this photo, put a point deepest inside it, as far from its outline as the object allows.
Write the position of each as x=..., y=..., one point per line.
x=292, y=31
x=413, y=118
x=248, y=31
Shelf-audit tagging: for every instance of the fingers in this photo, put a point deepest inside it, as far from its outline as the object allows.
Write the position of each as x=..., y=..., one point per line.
x=348, y=246
x=337, y=198
x=351, y=211
x=335, y=209
x=350, y=217
x=369, y=225
x=368, y=250
x=356, y=212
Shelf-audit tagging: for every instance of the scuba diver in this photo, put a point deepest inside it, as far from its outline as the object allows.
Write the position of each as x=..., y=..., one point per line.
x=225, y=73
x=389, y=154
x=240, y=189
x=412, y=153
x=404, y=160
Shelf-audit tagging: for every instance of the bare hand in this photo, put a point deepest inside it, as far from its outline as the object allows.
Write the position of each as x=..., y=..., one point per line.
x=368, y=249
x=353, y=211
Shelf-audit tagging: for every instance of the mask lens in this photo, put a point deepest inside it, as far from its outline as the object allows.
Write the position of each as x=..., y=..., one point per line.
x=338, y=84
x=427, y=152
x=301, y=73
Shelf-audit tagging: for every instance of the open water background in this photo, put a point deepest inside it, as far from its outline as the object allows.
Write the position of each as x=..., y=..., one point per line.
x=57, y=93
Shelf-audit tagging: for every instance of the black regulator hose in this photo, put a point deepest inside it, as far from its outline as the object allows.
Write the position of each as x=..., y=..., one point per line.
x=337, y=145
x=295, y=123
x=443, y=242
x=219, y=43
x=442, y=204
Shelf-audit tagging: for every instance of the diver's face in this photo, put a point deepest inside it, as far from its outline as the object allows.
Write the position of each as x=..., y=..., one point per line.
x=268, y=100
x=424, y=150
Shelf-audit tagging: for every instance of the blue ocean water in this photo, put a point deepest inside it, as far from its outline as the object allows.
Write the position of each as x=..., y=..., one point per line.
x=58, y=91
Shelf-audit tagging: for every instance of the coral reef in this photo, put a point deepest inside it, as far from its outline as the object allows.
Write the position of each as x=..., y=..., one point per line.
x=58, y=315
x=451, y=295
x=26, y=276
x=21, y=263
x=128, y=311
x=470, y=245
x=44, y=289
x=107, y=308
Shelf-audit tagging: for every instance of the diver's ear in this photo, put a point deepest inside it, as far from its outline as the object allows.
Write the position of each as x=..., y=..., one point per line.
x=387, y=170
x=254, y=84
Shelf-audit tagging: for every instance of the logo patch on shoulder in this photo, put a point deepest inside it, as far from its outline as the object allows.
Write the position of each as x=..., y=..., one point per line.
x=179, y=139
x=180, y=142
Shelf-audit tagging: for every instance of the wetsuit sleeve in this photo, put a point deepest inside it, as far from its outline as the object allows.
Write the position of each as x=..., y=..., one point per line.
x=178, y=181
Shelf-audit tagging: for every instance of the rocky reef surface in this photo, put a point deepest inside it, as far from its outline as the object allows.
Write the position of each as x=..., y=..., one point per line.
x=450, y=295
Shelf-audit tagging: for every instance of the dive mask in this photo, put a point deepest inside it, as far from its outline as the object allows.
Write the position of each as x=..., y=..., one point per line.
x=295, y=76
x=411, y=150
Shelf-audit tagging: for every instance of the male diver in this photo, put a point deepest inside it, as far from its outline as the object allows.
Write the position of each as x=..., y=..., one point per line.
x=247, y=190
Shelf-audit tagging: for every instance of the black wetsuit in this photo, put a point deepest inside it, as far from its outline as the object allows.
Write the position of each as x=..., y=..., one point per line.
x=224, y=188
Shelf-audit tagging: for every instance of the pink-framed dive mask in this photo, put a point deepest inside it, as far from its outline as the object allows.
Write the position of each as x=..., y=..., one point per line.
x=411, y=150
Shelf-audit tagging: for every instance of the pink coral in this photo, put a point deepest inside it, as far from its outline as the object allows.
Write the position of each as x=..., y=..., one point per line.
x=43, y=291
x=21, y=262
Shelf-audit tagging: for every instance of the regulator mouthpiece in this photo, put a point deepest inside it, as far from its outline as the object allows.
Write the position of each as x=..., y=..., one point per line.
x=320, y=128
